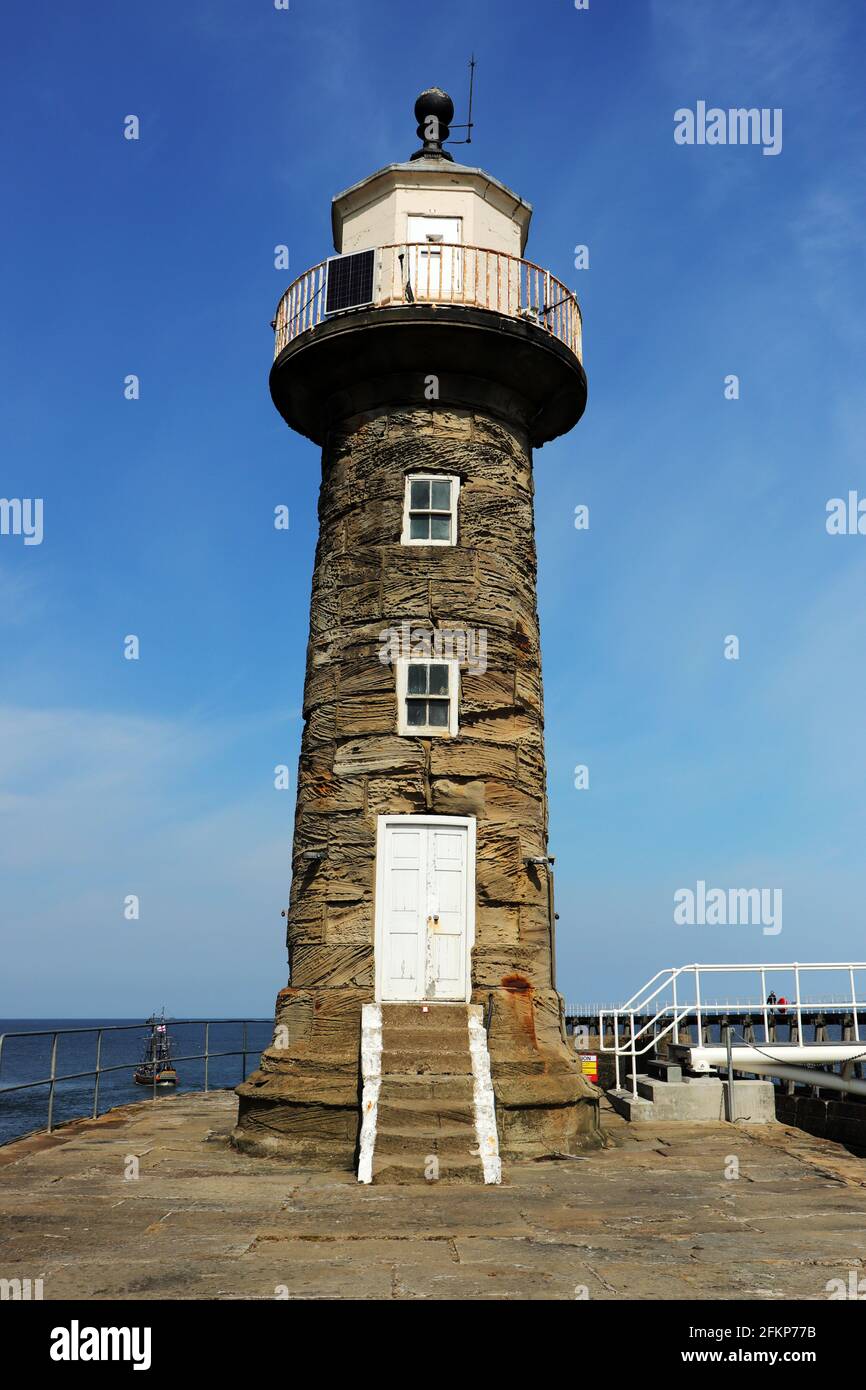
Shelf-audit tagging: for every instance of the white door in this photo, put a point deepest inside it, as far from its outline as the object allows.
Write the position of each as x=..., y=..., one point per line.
x=436, y=265
x=425, y=899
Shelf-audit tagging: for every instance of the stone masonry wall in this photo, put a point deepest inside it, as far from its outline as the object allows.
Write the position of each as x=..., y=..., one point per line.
x=354, y=766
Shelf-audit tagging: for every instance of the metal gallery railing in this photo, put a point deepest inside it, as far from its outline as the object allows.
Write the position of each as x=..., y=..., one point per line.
x=673, y=997
x=441, y=273
x=53, y=1080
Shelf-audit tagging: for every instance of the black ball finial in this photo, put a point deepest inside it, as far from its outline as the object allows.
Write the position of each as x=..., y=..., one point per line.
x=434, y=112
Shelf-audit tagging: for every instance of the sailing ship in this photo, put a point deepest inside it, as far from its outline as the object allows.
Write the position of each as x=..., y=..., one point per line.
x=156, y=1067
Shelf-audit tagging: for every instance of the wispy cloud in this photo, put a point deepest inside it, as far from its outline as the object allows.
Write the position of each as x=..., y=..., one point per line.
x=96, y=807
x=761, y=47
x=829, y=234
x=21, y=597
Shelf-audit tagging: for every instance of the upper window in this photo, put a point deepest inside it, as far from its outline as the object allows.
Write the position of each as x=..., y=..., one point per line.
x=427, y=696
x=430, y=510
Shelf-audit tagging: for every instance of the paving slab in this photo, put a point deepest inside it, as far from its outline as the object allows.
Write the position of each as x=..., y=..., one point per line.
x=676, y=1211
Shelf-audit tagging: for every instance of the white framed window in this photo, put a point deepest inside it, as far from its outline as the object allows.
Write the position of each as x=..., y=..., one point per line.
x=430, y=509
x=428, y=690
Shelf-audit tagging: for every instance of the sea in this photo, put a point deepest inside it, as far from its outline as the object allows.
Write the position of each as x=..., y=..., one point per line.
x=28, y=1058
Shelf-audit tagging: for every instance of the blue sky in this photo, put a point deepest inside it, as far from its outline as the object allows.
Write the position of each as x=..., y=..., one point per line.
x=707, y=516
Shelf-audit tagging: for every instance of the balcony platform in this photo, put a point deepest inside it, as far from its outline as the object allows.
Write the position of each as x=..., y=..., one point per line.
x=369, y=359
x=499, y=333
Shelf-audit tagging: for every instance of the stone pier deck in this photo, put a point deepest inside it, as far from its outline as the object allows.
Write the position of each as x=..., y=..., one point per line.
x=652, y=1216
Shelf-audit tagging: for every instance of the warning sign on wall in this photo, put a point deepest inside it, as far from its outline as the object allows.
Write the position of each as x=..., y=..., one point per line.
x=589, y=1066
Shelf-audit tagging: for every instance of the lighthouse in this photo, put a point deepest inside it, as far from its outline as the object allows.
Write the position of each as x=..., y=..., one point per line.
x=421, y=1035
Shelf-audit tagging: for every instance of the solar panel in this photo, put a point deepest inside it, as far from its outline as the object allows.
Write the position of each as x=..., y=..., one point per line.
x=350, y=281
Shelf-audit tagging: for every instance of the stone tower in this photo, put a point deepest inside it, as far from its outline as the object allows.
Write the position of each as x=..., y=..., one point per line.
x=427, y=359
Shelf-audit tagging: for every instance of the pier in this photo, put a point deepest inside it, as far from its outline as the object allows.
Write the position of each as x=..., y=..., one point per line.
x=665, y=1211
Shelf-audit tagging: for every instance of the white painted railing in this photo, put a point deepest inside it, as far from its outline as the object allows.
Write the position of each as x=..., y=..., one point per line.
x=675, y=995
x=442, y=273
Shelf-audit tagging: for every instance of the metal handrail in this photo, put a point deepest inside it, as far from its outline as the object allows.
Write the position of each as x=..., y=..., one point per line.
x=441, y=273
x=671, y=974
x=52, y=1080
x=679, y=1010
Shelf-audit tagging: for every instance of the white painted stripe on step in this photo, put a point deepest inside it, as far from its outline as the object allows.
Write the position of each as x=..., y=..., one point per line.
x=485, y=1111
x=371, y=1072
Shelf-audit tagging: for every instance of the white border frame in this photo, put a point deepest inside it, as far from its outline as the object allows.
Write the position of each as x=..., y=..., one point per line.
x=454, y=480
x=382, y=824
x=401, y=669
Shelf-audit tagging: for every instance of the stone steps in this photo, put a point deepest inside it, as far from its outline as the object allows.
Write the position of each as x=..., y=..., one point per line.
x=454, y=1140
x=424, y=1061
x=434, y=1086
x=423, y=1112
x=394, y=1169
x=432, y=1037
x=416, y=1016
x=426, y=1092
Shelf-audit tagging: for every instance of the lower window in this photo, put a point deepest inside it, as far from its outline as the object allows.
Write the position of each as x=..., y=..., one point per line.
x=427, y=696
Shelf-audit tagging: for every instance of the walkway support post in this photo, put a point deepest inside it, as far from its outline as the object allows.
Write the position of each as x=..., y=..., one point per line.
x=729, y=1106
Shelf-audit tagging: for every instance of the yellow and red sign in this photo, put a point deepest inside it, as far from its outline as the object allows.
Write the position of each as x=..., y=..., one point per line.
x=589, y=1066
